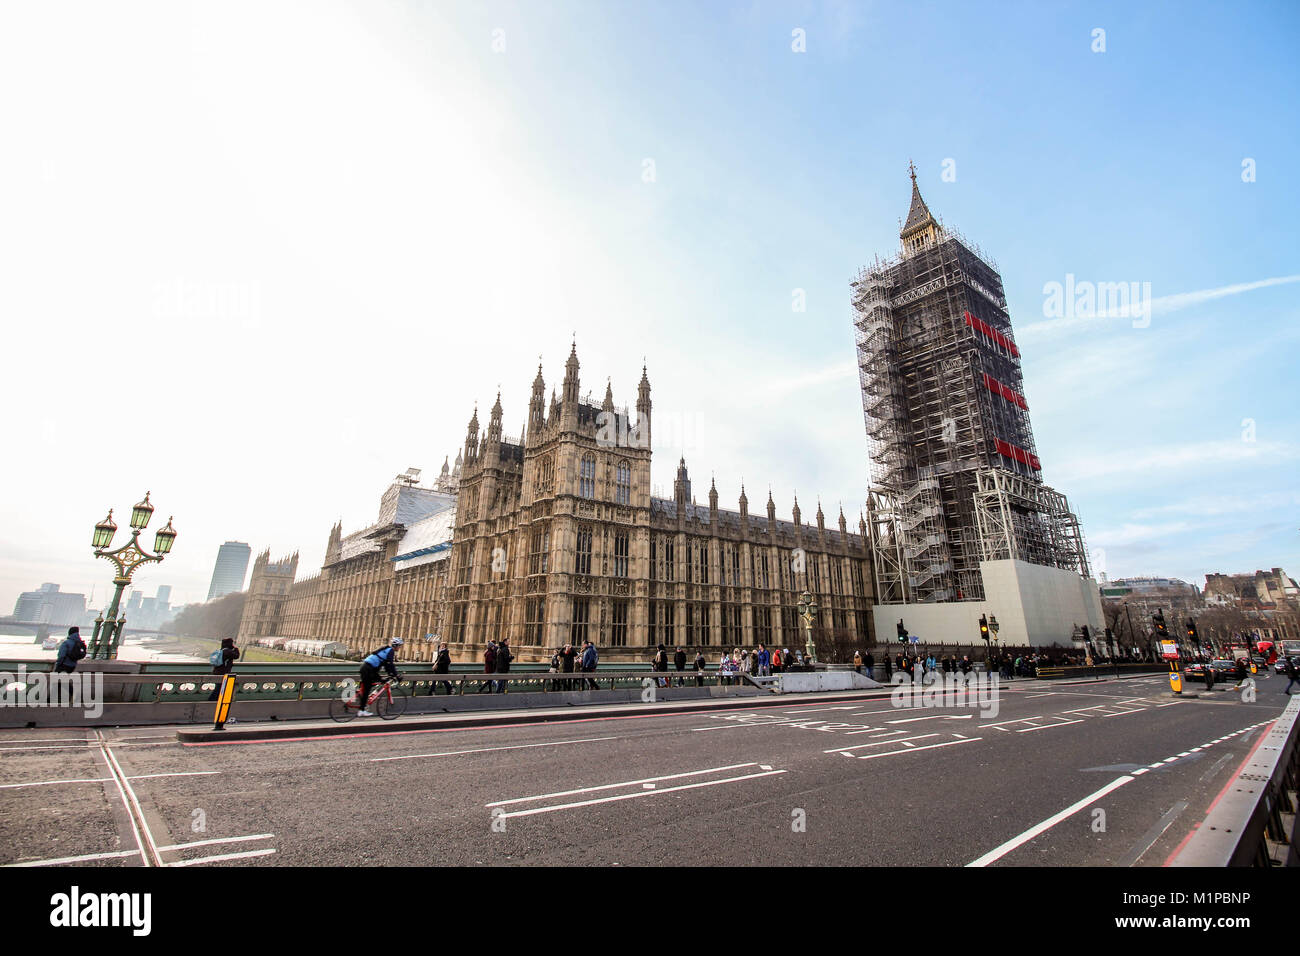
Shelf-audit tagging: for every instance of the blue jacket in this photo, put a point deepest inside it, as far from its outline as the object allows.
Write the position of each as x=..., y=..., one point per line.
x=383, y=658
x=589, y=658
x=66, y=649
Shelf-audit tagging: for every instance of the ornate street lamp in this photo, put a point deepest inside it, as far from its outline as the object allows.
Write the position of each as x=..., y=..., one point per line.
x=807, y=609
x=108, y=630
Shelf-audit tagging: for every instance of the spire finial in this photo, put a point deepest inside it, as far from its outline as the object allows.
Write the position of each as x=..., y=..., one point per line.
x=911, y=168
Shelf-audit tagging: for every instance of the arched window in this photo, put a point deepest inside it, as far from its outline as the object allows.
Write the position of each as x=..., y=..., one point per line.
x=587, y=477
x=623, y=483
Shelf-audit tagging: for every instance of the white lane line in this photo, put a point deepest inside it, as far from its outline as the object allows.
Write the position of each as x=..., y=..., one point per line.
x=1062, y=723
x=638, y=794
x=178, y=773
x=625, y=783
x=872, y=713
x=238, y=839
x=220, y=857
x=1121, y=713
x=874, y=731
x=912, y=720
x=835, y=750
x=999, y=852
x=696, y=730
x=1018, y=720
x=1138, y=773
x=915, y=750
x=49, y=783
x=34, y=749
x=484, y=750
x=76, y=859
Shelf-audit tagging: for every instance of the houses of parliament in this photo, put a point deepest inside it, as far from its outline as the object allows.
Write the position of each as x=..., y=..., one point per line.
x=554, y=538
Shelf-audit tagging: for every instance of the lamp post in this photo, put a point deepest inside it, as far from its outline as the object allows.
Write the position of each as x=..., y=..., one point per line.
x=807, y=609
x=108, y=630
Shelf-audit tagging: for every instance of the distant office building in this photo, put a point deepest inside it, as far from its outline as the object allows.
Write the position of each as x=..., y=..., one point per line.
x=49, y=605
x=164, y=596
x=228, y=573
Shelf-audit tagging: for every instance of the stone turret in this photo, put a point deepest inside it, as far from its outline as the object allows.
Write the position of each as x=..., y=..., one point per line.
x=682, y=488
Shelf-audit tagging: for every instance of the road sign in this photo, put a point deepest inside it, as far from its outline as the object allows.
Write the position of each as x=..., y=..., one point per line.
x=1169, y=650
x=1175, y=681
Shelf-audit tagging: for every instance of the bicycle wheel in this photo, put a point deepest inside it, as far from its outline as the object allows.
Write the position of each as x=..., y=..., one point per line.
x=390, y=708
x=341, y=711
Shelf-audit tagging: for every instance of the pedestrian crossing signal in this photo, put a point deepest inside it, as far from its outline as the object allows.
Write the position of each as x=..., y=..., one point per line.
x=984, y=628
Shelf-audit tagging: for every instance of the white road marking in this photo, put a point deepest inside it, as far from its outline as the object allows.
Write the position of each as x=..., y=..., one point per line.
x=484, y=750
x=222, y=856
x=238, y=839
x=1062, y=723
x=882, y=743
x=1018, y=720
x=638, y=794
x=49, y=783
x=76, y=859
x=82, y=747
x=912, y=720
x=625, y=783
x=178, y=773
x=814, y=710
x=914, y=750
x=999, y=852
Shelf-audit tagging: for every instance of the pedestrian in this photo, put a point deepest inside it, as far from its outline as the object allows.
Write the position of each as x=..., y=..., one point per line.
x=661, y=665
x=226, y=654
x=1240, y=673
x=965, y=664
x=442, y=665
x=589, y=661
x=857, y=662
x=679, y=662
x=869, y=662
x=889, y=670
x=764, y=661
x=568, y=659
x=1292, y=673
x=699, y=668
x=1208, y=674
x=489, y=666
x=504, y=657
x=73, y=649
x=778, y=661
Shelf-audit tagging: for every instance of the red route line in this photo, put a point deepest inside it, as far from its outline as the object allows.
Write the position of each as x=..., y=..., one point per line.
x=1214, y=803
x=447, y=730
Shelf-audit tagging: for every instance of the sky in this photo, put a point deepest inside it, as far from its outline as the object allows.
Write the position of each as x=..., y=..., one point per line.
x=259, y=258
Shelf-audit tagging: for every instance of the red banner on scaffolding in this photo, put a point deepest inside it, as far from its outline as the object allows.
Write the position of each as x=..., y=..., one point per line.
x=979, y=325
x=1008, y=450
x=1006, y=391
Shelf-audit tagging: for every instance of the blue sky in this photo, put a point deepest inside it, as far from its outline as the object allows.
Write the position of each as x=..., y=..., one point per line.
x=420, y=199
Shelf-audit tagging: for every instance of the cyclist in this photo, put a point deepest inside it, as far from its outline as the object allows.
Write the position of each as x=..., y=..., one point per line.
x=385, y=657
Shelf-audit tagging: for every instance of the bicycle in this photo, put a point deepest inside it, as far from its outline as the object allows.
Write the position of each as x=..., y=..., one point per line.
x=387, y=701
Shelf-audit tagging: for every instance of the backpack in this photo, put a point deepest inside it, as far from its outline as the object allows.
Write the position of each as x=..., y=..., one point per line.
x=78, y=651
x=217, y=657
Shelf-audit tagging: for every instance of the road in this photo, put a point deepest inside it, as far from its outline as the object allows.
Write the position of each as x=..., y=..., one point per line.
x=862, y=783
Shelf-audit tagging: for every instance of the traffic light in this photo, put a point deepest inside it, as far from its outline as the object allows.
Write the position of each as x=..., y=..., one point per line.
x=1159, y=619
x=902, y=632
x=984, y=629
x=1192, y=634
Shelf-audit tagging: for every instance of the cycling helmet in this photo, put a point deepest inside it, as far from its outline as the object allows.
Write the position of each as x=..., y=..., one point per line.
x=396, y=642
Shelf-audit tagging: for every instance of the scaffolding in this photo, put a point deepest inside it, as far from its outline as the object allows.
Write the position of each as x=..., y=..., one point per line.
x=942, y=399
x=1027, y=521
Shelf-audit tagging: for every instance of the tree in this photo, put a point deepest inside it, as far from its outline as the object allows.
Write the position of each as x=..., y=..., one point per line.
x=215, y=620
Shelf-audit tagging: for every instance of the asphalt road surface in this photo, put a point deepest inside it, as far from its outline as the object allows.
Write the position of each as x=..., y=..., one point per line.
x=1111, y=773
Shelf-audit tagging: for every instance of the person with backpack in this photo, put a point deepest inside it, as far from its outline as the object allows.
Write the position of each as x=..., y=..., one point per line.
x=589, y=660
x=71, y=650
x=385, y=657
x=223, y=661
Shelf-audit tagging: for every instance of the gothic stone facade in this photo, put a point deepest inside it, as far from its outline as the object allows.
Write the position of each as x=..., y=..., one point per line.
x=558, y=540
